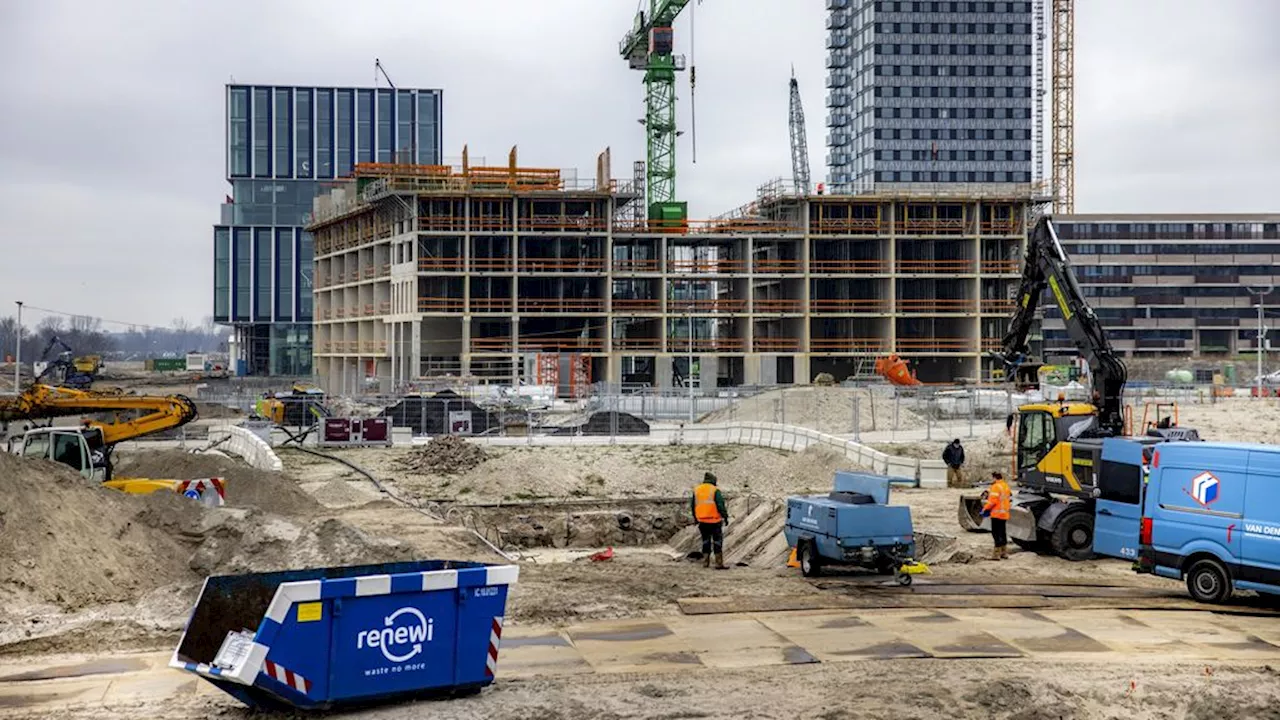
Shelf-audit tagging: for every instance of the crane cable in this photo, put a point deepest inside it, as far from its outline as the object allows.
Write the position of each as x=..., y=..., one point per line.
x=693, y=79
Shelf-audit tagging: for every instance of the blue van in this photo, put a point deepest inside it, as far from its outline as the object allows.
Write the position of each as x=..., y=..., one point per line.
x=1211, y=515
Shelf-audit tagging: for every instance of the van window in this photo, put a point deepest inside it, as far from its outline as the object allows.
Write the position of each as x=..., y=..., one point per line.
x=1035, y=438
x=1120, y=482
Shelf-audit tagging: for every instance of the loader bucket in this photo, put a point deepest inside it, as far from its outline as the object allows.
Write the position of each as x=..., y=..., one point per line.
x=970, y=512
x=315, y=639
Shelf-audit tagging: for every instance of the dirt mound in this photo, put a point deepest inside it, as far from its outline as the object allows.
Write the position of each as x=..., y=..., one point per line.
x=247, y=486
x=444, y=455
x=73, y=543
x=825, y=409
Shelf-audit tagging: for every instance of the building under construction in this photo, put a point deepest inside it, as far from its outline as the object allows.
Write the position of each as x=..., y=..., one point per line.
x=504, y=274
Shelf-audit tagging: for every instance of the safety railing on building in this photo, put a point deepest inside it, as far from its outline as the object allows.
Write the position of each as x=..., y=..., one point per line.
x=491, y=305
x=710, y=305
x=849, y=267
x=931, y=306
x=561, y=305
x=492, y=345
x=560, y=223
x=491, y=264
x=1000, y=267
x=775, y=344
x=937, y=345
x=848, y=305
x=932, y=226
x=560, y=265
x=777, y=305
x=847, y=345
x=637, y=265
x=996, y=307
x=439, y=304
x=645, y=305
x=847, y=226
x=935, y=267
x=440, y=264
x=999, y=227
x=709, y=267
x=637, y=343
x=775, y=265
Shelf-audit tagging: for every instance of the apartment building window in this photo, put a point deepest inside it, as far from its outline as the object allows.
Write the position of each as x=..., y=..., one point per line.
x=261, y=132
x=239, y=130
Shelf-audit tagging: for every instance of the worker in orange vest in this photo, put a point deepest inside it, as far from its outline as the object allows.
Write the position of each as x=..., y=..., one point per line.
x=999, y=498
x=709, y=510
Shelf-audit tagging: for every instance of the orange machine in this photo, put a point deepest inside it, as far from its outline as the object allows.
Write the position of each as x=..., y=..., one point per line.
x=895, y=370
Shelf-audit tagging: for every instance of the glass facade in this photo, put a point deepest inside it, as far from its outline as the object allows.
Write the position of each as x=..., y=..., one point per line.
x=929, y=92
x=283, y=142
x=1170, y=284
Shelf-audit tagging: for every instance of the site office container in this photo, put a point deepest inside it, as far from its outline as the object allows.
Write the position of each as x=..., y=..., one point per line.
x=314, y=639
x=1211, y=516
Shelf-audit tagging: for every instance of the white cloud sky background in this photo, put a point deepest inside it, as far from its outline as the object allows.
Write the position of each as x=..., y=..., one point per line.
x=112, y=149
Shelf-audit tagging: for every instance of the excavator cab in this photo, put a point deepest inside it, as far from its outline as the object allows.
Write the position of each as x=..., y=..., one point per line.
x=69, y=446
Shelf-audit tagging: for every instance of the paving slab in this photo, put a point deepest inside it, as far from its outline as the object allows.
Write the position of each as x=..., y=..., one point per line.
x=633, y=646
x=1123, y=633
x=1221, y=636
x=941, y=635
x=538, y=652
x=1030, y=631
x=837, y=637
x=738, y=642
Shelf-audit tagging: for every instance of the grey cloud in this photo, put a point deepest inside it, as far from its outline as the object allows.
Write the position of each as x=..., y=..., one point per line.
x=112, y=160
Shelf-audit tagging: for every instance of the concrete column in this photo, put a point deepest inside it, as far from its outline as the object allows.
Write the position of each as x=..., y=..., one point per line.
x=751, y=368
x=415, y=348
x=613, y=368
x=709, y=365
x=802, y=370
x=663, y=372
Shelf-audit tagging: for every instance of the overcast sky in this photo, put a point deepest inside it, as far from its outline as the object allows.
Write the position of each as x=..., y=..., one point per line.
x=112, y=141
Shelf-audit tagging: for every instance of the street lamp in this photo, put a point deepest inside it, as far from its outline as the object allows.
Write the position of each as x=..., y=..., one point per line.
x=1260, y=293
x=17, y=353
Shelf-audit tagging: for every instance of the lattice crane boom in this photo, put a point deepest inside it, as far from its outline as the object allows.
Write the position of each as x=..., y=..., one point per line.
x=1064, y=68
x=650, y=46
x=799, y=141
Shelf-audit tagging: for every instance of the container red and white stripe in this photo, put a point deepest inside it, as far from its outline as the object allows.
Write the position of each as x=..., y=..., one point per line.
x=495, y=636
x=288, y=677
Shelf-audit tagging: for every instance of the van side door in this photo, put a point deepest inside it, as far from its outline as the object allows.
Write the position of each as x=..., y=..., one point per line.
x=1118, y=510
x=1260, y=540
x=1200, y=503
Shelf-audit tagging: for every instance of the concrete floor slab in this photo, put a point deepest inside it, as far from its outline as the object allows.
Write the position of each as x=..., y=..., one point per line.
x=836, y=637
x=633, y=646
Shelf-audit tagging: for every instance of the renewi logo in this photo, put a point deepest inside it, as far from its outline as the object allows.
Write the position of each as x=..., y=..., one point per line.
x=399, y=641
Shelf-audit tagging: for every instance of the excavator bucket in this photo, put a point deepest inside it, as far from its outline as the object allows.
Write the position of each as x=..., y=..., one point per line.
x=970, y=512
x=895, y=370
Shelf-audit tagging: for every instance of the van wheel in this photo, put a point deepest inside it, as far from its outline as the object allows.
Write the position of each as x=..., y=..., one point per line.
x=1207, y=582
x=810, y=565
x=1073, y=538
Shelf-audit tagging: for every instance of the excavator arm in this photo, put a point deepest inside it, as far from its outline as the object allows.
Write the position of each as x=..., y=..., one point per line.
x=1047, y=267
x=156, y=413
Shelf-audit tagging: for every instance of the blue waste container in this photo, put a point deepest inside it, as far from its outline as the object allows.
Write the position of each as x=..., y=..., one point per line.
x=315, y=639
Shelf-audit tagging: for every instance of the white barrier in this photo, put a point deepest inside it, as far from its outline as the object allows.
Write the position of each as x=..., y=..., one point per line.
x=760, y=434
x=247, y=445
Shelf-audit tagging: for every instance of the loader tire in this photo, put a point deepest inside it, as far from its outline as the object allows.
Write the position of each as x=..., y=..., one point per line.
x=1073, y=537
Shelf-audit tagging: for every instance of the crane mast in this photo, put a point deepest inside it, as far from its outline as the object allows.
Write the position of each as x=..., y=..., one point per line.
x=799, y=141
x=650, y=46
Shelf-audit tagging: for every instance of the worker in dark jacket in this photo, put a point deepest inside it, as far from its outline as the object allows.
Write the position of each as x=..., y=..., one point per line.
x=953, y=456
x=708, y=508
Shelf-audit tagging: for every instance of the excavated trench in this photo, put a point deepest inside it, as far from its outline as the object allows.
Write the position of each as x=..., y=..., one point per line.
x=566, y=530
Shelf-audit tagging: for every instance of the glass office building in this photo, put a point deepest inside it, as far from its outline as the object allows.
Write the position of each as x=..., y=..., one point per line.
x=929, y=92
x=285, y=145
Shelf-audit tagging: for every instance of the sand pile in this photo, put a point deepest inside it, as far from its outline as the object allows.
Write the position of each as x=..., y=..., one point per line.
x=246, y=486
x=825, y=409
x=444, y=455
x=73, y=543
x=621, y=471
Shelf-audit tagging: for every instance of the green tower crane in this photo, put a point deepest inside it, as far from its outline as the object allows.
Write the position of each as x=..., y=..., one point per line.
x=650, y=46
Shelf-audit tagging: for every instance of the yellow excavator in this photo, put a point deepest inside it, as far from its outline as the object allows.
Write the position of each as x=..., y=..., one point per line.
x=88, y=447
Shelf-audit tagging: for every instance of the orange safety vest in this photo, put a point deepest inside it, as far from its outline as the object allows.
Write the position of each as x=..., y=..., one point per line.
x=999, y=498
x=704, y=504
